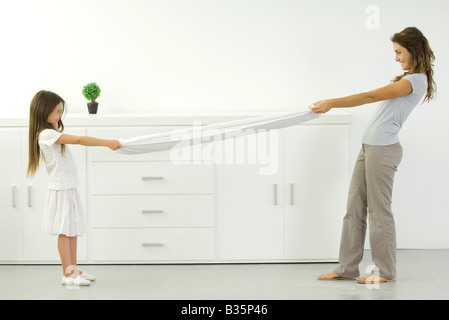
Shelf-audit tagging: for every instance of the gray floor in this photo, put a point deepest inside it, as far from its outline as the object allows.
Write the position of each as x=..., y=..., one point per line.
x=422, y=274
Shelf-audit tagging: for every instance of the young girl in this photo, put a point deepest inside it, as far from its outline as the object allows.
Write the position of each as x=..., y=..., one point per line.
x=372, y=181
x=63, y=213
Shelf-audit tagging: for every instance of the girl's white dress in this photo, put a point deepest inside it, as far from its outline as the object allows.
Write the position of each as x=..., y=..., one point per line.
x=63, y=212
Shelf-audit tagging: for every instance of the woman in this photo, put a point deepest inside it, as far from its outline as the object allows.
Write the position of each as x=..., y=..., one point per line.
x=372, y=180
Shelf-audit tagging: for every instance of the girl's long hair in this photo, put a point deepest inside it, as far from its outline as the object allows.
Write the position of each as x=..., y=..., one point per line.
x=42, y=105
x=422, y=57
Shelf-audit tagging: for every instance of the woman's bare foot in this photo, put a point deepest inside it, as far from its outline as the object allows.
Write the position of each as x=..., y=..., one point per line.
x=372, y=278
x=330, y=276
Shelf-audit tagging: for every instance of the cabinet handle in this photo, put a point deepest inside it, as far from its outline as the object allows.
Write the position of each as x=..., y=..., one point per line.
x=275, y=194
x=152, y=245
x=30, y=188
x=13, y=198
x=151, y=178
x=152, y=211
x=292, y=194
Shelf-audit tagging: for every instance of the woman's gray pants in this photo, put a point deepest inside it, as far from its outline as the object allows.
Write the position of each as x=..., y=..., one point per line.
x=371, y=192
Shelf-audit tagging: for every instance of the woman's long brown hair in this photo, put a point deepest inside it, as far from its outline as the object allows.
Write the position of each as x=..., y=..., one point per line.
x=422, y=57
x=42, y=105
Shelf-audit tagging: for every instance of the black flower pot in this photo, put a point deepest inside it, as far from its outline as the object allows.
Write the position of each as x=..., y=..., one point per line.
x=92, y=107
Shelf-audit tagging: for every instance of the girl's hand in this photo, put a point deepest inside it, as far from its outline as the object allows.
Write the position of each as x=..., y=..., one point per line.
x=114, y=145
x=322, y=106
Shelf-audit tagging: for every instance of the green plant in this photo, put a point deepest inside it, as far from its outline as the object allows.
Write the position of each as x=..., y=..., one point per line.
x=91, y=91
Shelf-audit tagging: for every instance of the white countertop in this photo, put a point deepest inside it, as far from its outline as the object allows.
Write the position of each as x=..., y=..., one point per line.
x=162, y=119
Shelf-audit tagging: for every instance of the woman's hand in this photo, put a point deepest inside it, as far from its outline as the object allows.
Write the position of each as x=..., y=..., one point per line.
x=322, y=106
x=114, y=145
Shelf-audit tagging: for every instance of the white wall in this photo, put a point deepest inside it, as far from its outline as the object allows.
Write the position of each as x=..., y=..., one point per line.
x=234, y=55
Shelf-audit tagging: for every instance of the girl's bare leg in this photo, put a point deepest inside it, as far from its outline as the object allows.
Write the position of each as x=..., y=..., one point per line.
x=67, y=252
x=73, y=250
x=64, y=254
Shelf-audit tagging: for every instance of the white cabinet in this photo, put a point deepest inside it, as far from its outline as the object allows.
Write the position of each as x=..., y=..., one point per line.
x=316, y=176
x=294, y=214
x=147, y=209
x=153, y=245
x=10, y=200
x=23, y=199
x=114, y=178
x=282, y=201
x=151, y=211
x=250, y=206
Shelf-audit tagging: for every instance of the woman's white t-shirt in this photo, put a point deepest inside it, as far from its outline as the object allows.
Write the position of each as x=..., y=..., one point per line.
x=383, y=129
x=60, y=166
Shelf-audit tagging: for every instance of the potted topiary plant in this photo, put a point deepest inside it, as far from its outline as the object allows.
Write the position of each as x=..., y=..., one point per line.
x=91, y=92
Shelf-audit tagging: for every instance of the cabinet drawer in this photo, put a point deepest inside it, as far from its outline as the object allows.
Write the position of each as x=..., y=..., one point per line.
x=165, y=244
x=105, y=154
x=150, y=178
x=152, y=211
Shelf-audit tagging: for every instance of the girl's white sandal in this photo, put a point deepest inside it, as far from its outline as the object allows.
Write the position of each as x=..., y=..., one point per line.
x=87, y=276
x=78, y=281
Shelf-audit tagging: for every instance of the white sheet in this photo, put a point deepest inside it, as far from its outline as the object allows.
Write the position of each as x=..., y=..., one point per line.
x=171, y=139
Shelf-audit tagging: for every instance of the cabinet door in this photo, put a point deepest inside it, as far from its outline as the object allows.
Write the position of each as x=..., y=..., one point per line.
x=36, y=245
x=10, y=190
x=316, y=164
x=249, y=206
